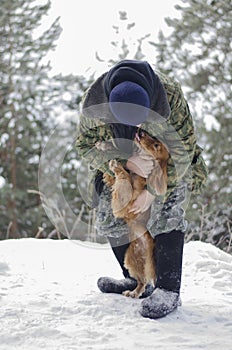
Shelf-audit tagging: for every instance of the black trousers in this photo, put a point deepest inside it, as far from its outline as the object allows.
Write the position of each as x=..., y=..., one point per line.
x=167, y=258
x=119, y=247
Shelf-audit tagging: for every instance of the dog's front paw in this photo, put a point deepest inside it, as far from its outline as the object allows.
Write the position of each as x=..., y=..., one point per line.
x=113, y=164
x=108, y=179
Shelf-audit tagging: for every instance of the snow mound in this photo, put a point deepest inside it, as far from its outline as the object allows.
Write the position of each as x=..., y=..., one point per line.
x=49, y=299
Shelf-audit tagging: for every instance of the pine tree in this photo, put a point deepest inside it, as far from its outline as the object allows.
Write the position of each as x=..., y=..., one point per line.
x=30, y=102
x=198, y=54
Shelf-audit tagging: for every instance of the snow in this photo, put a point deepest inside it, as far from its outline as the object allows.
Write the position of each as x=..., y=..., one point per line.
x=49, y=299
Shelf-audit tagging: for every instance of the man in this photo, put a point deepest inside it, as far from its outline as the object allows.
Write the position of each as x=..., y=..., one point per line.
x=129, y=96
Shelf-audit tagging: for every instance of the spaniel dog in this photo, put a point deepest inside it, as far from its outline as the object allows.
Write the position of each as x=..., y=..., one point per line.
x=125, y=187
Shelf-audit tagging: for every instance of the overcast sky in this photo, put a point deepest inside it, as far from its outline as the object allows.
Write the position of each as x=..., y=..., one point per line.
x=87, y=29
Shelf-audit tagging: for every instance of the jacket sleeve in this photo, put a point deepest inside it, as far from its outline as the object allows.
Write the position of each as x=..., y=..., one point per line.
x=88, y=134
x=180, y=139
x=179, y=136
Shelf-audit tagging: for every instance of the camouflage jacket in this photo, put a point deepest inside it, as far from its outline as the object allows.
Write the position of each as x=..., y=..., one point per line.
x=177, y=132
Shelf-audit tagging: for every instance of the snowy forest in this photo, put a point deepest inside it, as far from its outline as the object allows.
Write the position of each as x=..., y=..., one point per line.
x=32, y=101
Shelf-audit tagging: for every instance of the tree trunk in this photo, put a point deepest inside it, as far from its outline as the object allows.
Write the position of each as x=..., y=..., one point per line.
x=13, y=176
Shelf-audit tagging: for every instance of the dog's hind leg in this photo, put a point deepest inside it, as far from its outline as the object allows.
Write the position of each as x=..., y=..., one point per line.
x=137, y=292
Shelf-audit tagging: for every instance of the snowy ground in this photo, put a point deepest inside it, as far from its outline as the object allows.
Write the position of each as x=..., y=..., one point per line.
x=49, y=299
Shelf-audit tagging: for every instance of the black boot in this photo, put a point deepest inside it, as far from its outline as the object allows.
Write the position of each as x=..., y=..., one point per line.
x=111, y=285
x=169, y=253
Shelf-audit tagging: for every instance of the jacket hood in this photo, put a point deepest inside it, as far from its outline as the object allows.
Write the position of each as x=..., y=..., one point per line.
x=139, y=72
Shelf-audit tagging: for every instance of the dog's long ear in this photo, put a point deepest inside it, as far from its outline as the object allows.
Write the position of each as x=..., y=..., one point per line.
x=158, y=177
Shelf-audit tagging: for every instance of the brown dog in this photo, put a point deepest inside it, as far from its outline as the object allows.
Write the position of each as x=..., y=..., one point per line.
x=126, y=187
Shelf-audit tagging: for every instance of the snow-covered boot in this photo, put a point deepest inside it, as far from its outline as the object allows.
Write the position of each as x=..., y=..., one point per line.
x=160, y=304
x=111, y=285
x=165, y=298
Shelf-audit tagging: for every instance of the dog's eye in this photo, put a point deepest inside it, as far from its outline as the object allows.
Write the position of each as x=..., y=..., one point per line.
x=156, y=145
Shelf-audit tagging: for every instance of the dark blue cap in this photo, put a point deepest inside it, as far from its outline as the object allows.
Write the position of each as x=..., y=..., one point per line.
x=129, y=102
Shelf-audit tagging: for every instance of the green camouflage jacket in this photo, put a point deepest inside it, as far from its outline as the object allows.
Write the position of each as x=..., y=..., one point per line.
x=177, y=132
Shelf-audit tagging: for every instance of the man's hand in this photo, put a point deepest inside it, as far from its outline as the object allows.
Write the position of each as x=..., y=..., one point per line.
x=141, y=165
x=142, y=202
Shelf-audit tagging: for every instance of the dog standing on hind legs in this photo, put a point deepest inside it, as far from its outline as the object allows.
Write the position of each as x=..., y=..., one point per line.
x=139, y=257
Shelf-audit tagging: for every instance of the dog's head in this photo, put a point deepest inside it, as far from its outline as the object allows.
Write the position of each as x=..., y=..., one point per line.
x=151, y=145
x=158, y=177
